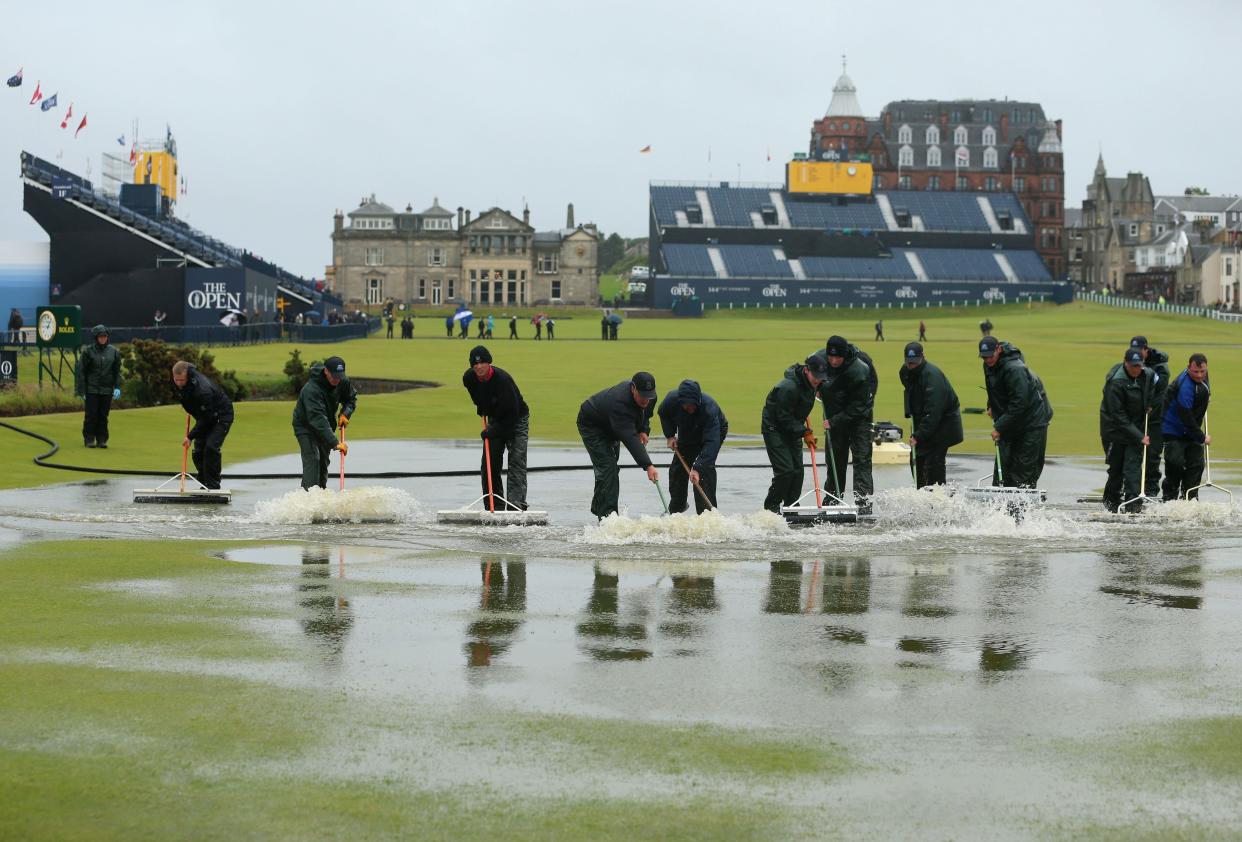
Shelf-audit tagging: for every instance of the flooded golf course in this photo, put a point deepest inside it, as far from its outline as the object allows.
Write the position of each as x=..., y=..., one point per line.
x=947, y=671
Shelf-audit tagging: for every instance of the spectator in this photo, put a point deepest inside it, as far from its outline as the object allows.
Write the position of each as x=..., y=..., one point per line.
x=15, y=326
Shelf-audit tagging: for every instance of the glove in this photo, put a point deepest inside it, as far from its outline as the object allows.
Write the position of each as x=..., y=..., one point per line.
x=116, y=394
x=343, y=447
x=490, y=432
x=343, y=421
x=809, y=438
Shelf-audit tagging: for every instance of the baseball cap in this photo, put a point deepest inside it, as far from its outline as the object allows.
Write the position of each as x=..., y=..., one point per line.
x=914, y=351
x=988, y=345
x=480, y=354
x=1138, y=342
x=644, y=383
x=336, y=365
x=817, y=366
x=1133, y=355
x=837, y=346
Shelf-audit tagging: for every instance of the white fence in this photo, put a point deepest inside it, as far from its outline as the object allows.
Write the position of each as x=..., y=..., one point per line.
x=1139, y=304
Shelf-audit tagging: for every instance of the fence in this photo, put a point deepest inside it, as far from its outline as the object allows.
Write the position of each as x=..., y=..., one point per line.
x=247, y=334
x=1140, y=304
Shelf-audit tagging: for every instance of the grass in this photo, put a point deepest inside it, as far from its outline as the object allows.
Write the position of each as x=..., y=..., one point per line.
x=736, y=355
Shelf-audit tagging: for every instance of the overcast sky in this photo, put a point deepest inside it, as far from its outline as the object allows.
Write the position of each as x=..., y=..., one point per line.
x=285, y=112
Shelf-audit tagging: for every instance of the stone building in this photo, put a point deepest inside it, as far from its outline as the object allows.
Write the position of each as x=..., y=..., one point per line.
x=1118, y=216
x=975, y=145
x=431, y=259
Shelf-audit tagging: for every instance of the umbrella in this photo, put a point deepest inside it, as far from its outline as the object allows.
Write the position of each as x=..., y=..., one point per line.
x=463, y=316
x=312, y=314
x=615, y=319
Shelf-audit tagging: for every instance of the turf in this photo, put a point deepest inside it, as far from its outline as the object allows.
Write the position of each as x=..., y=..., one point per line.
x=736, y=355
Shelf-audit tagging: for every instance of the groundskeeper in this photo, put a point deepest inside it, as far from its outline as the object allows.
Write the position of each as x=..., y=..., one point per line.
x=97, y=380
x=618, y=415
x=212, y=411
x=1020, y=413
x=848, y=395
x=1157, y=361
x=1125, y=413
x=935, y=415
x=497, y=398
x=1185, y=405
x=325, y=404
x=695, y=427
x=785, y=427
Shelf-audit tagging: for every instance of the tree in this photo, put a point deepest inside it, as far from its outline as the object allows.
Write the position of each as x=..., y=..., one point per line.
x=1196, y=191
x=611, y=250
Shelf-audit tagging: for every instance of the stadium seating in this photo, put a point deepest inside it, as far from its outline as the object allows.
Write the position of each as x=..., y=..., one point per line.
x=666, y=201
x=857, y=216
x=754, y=262
x=942, y=211
x=1028, y=266
x=960, y=265
x=732, y=206
x=690, y=261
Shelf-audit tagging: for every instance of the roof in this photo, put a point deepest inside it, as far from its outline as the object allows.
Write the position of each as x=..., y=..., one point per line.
x=547, y=238
x=972, y=110
x=371, y=207
x=1073, y=217
x=1198, y=254
x=1202, y=204
x=436, y=210
x=844, y=99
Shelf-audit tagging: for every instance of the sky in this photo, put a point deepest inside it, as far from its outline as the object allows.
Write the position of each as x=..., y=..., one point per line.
x=284, y=113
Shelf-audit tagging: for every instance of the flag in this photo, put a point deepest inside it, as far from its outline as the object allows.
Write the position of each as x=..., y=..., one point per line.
x=133, y=154
x=49, y=103
x=645, y=149
x=120, y=141
x=64, y=124
x=963, y=157
x=15, y=81
x=769, y=154
x=81, y=126
x=38, y=94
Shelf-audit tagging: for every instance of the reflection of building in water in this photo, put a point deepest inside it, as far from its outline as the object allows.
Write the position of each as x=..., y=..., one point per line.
x=689, y=597
x=325, y=615
x=847, y=586
x=503, y=605
x=996, y=654
x=1155, y=579
x=784, y=588
x=604, y=636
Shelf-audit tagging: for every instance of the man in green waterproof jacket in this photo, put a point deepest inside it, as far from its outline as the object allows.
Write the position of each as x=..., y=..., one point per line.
x=785, y=428
x=97, y=380
x=1157, y=361
x=326, y=402
x=848, y=394
x=1125, y=430
x=1020, y=413
x=935, y=415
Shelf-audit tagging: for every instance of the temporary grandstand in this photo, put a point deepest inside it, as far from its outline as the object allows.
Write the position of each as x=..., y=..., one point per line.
x=122, y=258
x=748, y=244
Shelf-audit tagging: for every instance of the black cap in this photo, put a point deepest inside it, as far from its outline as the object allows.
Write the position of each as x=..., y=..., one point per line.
x=1133, y=356
x=336, y=365
x=817, y=366
x=1138, y=342
x=837, y=346
x=99, y=330
x=480, y=354
x=644, y=383
x=988, y=346
x=914, y=351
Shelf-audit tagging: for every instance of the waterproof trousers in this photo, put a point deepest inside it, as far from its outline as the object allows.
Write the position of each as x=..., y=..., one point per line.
x=1021, y=458
x=929, y=465
x=604, y=451
x=208, y=459
x=785, y=454
x=679, y=484
x=1125, y=467
x=1154, y=451
x=315, y=458
x=516, y=445
x=1183, y=468
x=843, y=444
x=95, y=423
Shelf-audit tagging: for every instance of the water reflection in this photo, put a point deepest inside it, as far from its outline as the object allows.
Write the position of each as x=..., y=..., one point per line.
x=847, y=586
x=926, y=596
x=999, y=654
x=690, y=598
x=502, y=601
x=605, y=635
x=325, y=615
x=1155, y=579
x=784, y=588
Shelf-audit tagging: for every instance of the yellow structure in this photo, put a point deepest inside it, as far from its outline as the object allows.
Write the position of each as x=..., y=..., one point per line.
x=829, y=177
x=158, y=167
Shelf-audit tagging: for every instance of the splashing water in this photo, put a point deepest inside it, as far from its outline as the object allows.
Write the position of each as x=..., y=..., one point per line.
x=1201, y=512
x=708, y=528
x=945, y=511
x=365, y=504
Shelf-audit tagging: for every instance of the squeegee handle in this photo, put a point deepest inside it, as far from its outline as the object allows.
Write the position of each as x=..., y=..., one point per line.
x=185, y=451
x=342, y=461
x=819, y=499
x=487, y=458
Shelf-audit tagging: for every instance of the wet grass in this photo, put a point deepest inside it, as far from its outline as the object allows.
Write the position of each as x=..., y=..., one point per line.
x=737, y=356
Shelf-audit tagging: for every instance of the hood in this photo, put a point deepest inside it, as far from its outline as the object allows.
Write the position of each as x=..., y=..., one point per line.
x=317, y=376
x=1009, y=352
x=1155, y=358
x=100, y=330
x=689, y=392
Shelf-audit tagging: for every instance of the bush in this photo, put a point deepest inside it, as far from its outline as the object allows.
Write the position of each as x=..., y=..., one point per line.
x=297, y=372
x=29, y=399
x=147, y=372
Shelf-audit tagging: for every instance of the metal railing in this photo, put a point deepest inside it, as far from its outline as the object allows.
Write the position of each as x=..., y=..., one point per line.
x=259, y=333
x=1143, y=304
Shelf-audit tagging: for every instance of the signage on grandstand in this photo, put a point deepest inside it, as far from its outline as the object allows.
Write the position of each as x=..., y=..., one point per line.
x=774, y=291
x=829, y=177
x=682, y=290
x=213, y=296
x=844, y=294
x=209, y=292
x=906, y=291
x=994, y=294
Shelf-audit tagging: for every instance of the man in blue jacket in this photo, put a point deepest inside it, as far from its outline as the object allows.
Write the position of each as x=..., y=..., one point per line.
x=1186, y=405
x=694, y=427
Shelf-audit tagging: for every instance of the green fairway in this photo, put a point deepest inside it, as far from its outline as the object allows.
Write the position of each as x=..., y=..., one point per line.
x=736, y=355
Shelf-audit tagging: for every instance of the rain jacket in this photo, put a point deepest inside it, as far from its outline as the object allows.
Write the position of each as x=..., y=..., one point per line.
x=849, y=392
x=204, y=400
x=789, y=404
x=98, y=371
x=1015, y=394
x=614, y=412
x=1158, y=361
x=319, y=404
x=932, y=405
x=704, y=431
x=1186, y=403
x=1127, y=401
x=499, y=399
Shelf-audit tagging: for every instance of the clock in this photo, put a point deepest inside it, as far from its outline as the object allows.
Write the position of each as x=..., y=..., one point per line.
x=47, y=326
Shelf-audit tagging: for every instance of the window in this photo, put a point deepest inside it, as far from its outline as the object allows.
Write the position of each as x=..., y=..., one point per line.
x=955, y=117
x=905, y=156
x=961, y=182
x=901, y=114
x=547, y=263
x=1052, y=185
x=933, y=182
x=960, y=136
x=484, y=293
x=1019, y=184
x=436, y=257
x=905, y=135
x=933, y=156
x=877, y=182
x=1228, y=268
x=990, y=183
x=933, y=135
x=522, y=274
x=513, y=274
x=903, y=183
x=1133, y=229
x=1015, y=116
x=496, y=222
x=987, y=115
x=989, y=158
x=989, y=136
x=374, y=257
x=422, y=287
x=485, y=243
x=375, y=290
x=451, y=281
x=1030, y=116
x=556, y=289
x=437, y=224
x=513, y=290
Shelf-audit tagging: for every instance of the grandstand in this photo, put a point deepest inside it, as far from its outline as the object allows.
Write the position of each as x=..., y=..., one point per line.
x=751, y=244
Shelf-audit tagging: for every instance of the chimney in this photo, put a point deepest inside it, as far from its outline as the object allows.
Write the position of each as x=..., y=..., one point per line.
x=467, y=216
x=569, y=216
x=526, y=215
x=338, y=221
x=944, y=125
x=460, y=219
x=888, y=123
